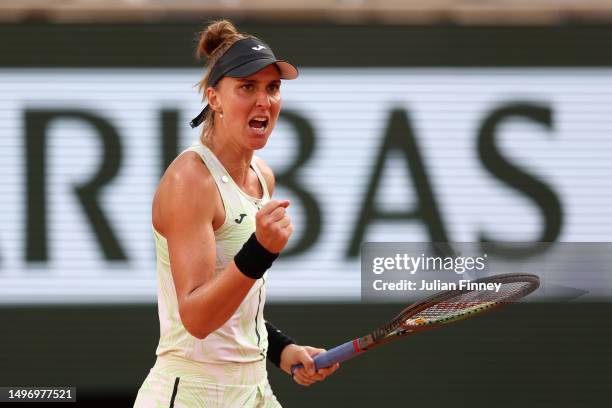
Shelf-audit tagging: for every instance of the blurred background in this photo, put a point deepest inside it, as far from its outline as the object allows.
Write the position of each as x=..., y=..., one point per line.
x=417, y=121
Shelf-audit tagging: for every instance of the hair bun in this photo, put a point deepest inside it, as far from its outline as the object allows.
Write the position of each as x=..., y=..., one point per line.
x=213, y=36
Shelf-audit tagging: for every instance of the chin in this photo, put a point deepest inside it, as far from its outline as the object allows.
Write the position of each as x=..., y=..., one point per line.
x=257, y=141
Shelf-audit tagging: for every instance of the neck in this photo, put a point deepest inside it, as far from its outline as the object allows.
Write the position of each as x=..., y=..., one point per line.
x=235, y=159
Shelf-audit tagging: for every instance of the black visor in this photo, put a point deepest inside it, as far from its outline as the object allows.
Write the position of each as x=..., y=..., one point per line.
x=242, y=59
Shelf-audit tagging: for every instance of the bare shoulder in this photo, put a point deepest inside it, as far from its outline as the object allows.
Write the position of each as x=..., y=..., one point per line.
x=187, y=169
x=267, y=173
x=181, y=191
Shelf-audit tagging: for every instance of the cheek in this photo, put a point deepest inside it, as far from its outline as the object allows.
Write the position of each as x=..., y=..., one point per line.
x=276, y=105
x=240, y=109
x=275, y=112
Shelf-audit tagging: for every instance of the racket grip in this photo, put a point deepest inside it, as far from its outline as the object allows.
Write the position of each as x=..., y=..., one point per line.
x=338, y=354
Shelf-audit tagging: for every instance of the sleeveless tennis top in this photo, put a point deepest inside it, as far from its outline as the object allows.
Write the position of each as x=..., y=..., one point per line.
x=243, y=338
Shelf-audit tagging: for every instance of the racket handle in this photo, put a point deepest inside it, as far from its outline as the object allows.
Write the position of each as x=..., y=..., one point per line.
x=338, y=354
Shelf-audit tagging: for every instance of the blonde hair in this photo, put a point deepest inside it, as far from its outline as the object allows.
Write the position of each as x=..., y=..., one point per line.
x=215, y=39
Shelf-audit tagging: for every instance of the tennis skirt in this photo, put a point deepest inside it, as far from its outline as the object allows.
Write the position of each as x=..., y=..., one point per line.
x=174, y=382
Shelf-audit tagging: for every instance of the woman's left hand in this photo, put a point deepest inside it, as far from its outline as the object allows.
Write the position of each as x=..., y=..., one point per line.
x=294, y=354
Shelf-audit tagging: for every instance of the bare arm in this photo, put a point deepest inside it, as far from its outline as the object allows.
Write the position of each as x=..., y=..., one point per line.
x=294, y=353
x=185, y=207
x=184, y=210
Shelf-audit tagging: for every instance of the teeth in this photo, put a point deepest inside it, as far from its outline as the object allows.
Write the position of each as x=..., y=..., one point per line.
x=259, y=124
x=261, y=129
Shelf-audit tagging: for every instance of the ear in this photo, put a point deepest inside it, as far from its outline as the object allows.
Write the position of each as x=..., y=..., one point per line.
x=213, y=98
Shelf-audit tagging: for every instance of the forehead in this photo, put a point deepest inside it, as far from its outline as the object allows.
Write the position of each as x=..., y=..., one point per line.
x=269, y=73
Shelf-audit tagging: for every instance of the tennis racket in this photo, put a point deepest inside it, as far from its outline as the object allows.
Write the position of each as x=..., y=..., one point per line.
x=435, y=311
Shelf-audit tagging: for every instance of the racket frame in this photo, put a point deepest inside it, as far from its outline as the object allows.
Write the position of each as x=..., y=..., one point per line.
x=395, y=328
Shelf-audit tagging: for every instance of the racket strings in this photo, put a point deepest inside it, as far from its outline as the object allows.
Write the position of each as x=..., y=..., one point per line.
x=466, y=303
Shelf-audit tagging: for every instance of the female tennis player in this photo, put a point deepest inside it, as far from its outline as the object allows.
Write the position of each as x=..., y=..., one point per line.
x=217, y=232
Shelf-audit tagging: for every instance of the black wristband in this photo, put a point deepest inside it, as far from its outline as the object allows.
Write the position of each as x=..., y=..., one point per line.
x=277, y=341
x=253, y=260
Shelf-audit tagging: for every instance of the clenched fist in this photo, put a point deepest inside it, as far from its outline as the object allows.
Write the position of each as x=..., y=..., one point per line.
x=273, y=226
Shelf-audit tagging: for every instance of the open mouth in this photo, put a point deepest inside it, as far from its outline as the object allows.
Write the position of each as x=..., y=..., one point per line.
x=259, y=124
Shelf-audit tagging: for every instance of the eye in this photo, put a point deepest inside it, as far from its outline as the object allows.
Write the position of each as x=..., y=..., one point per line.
x=247, y=87
x=274, y=87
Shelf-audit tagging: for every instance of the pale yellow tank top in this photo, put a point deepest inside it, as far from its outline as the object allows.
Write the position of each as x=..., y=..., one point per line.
x=243, y=338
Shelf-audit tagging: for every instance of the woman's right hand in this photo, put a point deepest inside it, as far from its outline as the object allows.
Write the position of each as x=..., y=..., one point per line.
x=273, y=226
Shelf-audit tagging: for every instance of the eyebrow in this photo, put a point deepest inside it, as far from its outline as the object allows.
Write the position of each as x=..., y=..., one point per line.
x=252, y=81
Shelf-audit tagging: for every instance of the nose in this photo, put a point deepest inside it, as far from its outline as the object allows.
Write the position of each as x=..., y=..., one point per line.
x=263, y=100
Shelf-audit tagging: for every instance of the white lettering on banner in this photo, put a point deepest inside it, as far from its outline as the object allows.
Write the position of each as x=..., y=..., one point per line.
x=104, y=128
